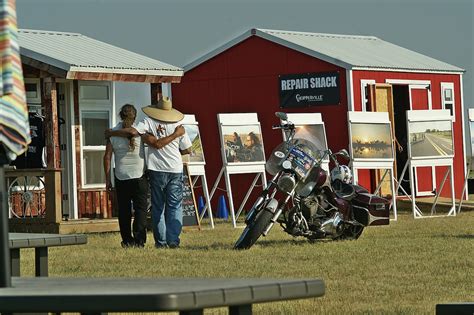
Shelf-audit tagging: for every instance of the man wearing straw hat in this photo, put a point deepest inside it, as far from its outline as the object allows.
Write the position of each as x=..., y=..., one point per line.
x=167, y=140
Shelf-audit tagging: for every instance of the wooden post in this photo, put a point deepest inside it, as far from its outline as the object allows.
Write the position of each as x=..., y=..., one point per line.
x=49, y=102
x=156, y=92
x=52, y=182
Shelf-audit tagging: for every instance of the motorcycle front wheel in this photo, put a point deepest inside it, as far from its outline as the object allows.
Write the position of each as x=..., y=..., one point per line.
x=253, y=230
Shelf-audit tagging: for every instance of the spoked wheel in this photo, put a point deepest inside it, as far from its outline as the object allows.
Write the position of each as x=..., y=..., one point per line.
x=254, y=230
x=26, y=197
x=351, y=232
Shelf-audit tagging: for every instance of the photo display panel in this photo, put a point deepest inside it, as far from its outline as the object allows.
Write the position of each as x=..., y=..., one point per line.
x=242, y=144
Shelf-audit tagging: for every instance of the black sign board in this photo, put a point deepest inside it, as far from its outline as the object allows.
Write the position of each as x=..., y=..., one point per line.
x=309, y=89
x=190, y=214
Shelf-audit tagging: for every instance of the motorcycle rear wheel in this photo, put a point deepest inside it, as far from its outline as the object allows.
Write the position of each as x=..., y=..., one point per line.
x=254, y=230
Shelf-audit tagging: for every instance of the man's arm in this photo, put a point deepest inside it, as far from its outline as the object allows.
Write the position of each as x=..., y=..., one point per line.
x=129, y=132
x=107, y=162
x=159, y=143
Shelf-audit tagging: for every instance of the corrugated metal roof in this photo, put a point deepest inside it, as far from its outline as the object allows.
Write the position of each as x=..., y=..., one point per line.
x=76, y=52
x=348, y=51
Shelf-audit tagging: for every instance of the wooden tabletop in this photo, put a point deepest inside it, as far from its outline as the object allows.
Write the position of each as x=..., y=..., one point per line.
x=31, y=240
x=143, y=294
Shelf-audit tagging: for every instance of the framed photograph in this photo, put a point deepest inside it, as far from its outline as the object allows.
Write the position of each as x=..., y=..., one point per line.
x=431, y=139
x=371, y=141
x=197, y=153
x=242, y=144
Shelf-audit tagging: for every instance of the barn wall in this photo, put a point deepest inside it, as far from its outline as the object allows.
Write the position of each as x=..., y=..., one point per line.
x=243, y=79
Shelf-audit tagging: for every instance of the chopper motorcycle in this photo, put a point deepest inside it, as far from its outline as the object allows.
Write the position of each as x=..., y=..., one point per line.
x=306, y=200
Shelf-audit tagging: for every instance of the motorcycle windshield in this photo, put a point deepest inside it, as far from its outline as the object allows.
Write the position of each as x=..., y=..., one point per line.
x=302, y=154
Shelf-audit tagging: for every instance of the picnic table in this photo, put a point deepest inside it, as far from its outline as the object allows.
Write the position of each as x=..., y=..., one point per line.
x=188, y=296
x=40, y=242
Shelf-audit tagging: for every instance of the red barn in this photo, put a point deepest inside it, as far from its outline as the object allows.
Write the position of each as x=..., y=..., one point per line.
x=244, y=75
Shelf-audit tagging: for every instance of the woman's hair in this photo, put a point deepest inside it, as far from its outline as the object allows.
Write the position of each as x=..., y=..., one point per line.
x=254, y=138
x=128, y=113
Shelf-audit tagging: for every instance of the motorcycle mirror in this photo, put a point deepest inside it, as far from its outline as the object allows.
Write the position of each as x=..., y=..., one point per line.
x=344, y=153
x=281, y=115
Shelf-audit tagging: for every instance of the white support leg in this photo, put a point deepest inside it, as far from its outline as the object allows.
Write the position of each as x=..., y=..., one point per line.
x=438, y=192
x=216, y=184
x=242, y=205
x=464, y=189
x=229, y=196
x=394, y=195
x=416, y=212
x=453, y=208
x=208, y=200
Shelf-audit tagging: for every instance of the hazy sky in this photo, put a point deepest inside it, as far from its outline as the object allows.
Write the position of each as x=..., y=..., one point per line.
x=179, y=31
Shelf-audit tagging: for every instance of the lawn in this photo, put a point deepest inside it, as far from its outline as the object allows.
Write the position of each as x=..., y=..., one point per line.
x=405, y=268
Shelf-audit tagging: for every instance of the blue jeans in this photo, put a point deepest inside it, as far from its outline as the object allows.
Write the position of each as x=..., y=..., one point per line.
x=166, y=210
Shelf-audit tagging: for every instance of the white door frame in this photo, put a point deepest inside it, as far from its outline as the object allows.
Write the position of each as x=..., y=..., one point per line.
x=418, y=85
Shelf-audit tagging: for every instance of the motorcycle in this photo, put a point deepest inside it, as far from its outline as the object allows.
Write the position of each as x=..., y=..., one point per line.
x=307, y=200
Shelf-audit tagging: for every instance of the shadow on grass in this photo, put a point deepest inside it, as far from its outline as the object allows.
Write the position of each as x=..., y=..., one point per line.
x=260, y=243
x=462, y=236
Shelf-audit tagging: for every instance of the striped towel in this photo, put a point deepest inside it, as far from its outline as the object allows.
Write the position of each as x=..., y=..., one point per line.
x=14, y=127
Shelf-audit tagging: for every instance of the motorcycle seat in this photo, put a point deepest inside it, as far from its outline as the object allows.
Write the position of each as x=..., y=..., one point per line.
x=343, y=190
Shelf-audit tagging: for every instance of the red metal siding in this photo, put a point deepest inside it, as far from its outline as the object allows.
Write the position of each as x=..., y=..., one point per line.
x=436, y=80
x=243, y=79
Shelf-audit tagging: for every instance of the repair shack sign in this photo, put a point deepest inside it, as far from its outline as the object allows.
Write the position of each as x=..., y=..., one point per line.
x=309, y=89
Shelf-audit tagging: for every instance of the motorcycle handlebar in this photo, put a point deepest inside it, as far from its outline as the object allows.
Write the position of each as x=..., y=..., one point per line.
x=285, y=126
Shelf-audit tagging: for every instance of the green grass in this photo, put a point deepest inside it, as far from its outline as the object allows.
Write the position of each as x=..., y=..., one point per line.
x=405, y=268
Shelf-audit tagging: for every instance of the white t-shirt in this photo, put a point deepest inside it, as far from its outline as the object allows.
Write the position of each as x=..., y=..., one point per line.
x=167, y=159
x=128, y=164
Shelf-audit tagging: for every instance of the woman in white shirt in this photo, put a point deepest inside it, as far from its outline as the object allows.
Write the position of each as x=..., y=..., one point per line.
x=130, y=181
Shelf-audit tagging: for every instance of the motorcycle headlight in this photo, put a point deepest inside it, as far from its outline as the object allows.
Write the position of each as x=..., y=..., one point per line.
x=286, y=183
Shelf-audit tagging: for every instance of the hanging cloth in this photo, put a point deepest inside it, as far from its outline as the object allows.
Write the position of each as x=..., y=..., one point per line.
x=14, y=128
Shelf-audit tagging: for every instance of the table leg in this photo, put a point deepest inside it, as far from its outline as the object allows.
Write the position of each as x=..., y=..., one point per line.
x=240, y=309
x=15, y=261
x=192, y=312
x=41, y=261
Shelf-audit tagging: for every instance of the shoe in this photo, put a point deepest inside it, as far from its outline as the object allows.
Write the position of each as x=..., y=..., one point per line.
x=139, y=244
x=127, y=244
x=173, y=245
x=160, y=246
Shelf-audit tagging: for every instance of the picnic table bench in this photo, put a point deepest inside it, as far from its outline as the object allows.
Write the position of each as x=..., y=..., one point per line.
x=40, y=242
x=188, y=296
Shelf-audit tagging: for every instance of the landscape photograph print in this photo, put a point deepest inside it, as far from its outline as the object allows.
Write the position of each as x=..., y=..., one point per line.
x=431, y=138
x=371, y=141
x=197, y=153
x=243, y=144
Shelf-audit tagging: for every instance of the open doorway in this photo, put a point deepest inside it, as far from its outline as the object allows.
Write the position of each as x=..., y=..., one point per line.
x=401, y=103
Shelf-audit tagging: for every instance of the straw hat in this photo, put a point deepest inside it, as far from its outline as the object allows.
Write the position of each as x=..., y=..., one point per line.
x=163, y=111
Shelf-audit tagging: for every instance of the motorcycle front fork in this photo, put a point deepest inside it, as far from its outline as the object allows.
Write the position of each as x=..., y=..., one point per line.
x=277, y=214
x=260, y=200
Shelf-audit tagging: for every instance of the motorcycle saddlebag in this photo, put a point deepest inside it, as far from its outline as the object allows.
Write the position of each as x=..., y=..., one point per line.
x=370, y=209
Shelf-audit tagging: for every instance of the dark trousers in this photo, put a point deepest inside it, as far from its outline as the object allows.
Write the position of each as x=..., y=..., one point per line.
x=132, y=191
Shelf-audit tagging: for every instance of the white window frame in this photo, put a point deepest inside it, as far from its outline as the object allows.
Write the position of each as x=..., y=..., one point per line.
x=445, y=86
x=88, y=105
x=107, y=101
x=415, y=84
x=363, y=85
x=34, y=100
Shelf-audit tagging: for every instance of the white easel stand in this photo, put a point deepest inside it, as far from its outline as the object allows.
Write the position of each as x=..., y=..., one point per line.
x=466, y=177
x=198, y=171
x=417, y=213
x=387, y=168
x=238, y=169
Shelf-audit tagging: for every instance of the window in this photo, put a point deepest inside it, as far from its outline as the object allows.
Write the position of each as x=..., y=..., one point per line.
x=33, y=91
x=447, y=98
x=90, y=92
x=94, y=122
x=364, y=93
